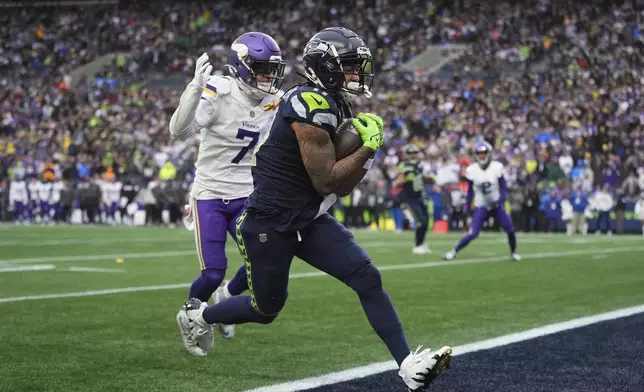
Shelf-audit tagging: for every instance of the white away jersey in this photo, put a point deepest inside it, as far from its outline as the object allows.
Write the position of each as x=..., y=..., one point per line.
x=34, y=190
x=114, y=192
x=56, y=189
x=44, y=191
x=18, y=191
x=486, y=183
x=230, y=128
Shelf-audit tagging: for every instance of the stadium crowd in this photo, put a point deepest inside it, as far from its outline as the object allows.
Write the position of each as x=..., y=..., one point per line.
x=556, y=87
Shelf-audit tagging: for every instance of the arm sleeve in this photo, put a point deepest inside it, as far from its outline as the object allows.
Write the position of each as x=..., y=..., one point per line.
x=181, y=123
x=470, y=195
x=503, y=185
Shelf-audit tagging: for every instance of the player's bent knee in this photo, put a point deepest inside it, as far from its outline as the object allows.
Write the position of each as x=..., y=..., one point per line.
x=265, y=318
x=213, y=277
x=365, y=279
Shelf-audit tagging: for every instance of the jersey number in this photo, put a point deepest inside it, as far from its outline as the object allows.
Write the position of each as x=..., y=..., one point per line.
x=246, y=134
x=486, y=188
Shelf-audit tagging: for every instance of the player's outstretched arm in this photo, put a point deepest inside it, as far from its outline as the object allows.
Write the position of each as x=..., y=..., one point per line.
x=318, y=155
x=183, y=117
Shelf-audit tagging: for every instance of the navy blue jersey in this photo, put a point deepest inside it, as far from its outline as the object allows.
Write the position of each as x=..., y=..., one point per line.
x=284, y=194
x=413, y=187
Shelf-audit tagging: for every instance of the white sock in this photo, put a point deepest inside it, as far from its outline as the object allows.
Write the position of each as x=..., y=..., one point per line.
x=585, y=229
x=569, y=228
x=226, y=292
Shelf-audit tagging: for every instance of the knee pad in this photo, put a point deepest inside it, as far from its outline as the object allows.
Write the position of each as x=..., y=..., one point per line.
x=213, y=277
x=365, y=279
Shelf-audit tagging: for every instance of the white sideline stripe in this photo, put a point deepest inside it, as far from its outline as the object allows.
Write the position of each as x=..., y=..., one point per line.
x=139, y=255
x=192, y=252
x=375, y=368
x=92, y=269
x=37, y=243
x=95, y=292
x=319, y=273
x=23, y=268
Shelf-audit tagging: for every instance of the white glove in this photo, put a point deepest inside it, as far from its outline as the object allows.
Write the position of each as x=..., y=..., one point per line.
x=202, y=71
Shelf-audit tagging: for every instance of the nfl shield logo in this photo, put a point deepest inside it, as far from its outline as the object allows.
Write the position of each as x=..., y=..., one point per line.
x=262, y=237
x=252, y=113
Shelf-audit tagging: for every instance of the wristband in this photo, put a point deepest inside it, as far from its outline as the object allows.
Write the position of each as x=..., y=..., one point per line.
x=367, y=165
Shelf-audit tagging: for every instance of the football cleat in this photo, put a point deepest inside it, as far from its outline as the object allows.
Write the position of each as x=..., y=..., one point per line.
x=516, y=257
x=227, y=331
x=421, y=250
x=421, y=368
x=196, y=333
x=449, y=255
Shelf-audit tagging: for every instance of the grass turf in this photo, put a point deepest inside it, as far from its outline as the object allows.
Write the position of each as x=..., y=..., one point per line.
x=130, y=342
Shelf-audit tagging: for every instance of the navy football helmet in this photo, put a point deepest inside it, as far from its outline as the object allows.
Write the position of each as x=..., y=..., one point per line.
x=333, y=53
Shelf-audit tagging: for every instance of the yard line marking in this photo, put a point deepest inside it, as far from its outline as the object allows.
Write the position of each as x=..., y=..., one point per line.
x=430, y=264
x=137, y=255
x=92, y=269
x=24, y=268
x=380, y=367
x=231, y=247
x=61, y=242
x=95, y=292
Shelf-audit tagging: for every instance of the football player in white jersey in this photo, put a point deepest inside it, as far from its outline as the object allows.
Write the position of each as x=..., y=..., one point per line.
x=55, y=210
x=18, y=199
x=44, y=193
x=232, y=114
x=111, y=198
x=488, y=188
x=33, y=188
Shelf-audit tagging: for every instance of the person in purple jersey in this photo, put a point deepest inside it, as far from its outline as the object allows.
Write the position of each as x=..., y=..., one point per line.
x=488, y=190
x=231, y=114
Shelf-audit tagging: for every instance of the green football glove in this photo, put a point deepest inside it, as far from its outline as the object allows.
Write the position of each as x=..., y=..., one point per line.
x=369, y=132
x=375, y=118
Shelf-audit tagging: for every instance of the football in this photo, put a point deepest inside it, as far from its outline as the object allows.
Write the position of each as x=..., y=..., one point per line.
x=347, y=139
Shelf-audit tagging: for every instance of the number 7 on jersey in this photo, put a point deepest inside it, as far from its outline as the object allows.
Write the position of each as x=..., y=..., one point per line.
x=246, y=134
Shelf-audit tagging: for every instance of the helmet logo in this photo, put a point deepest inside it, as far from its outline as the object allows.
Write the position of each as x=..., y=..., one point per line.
x=241, y=50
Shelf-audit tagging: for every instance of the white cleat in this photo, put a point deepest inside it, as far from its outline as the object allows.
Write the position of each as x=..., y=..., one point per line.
x=196, y=334
x=516, y=257
x=449, y=256
x=221, y=294
x=420, y=368
x=421, y=250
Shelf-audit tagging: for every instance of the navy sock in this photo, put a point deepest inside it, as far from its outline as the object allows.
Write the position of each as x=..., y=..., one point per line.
x=385, y=322
x=234, y=310
x=512, y=240
x=421, y=233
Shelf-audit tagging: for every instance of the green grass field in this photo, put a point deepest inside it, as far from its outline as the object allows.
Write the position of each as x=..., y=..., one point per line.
x=129, y=341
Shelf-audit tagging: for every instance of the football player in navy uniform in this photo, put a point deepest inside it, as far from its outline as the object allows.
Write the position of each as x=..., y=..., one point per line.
x=296, y=179
x=410, y=178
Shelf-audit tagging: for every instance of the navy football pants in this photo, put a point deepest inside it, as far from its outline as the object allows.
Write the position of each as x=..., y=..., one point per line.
x=418, y=209
x=325, y=244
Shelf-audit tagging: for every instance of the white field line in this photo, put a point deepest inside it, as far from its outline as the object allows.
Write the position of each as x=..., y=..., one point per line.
x=432, y=239
x=375, y=368
x=25, y=268
x=533, y=256
x=231, y=247
x=92, y=269
x=93, y=241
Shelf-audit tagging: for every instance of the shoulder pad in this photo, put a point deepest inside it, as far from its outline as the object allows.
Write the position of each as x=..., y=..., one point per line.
x=313, y=106
x=469, y=171
x=498, y=166
x=217, y=85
